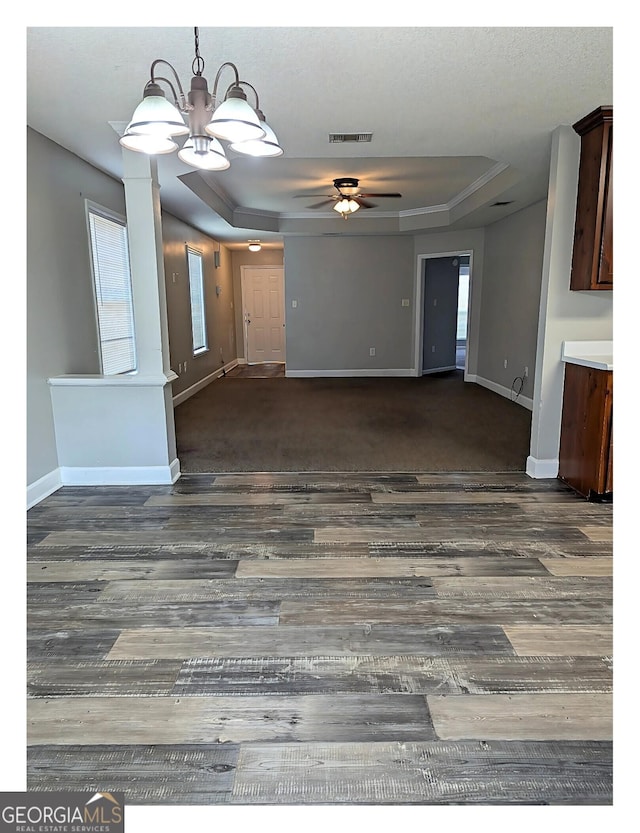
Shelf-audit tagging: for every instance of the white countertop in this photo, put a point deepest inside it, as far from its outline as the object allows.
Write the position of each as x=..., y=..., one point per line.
x=596, y=354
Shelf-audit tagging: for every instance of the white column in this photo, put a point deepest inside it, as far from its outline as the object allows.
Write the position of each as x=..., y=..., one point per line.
x=120, y=429
x=144, y=227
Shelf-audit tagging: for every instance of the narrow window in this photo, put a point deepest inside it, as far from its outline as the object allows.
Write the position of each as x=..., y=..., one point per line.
x=196, y=291
x=113, y=293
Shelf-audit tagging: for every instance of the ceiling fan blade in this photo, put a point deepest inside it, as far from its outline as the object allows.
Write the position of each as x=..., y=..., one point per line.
x=309, y=196
x=380, y=195
x=364, y=203
x=320, y=204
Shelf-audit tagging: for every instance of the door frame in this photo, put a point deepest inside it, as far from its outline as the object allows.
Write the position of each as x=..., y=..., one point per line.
x=245, y=334
x=419, y=293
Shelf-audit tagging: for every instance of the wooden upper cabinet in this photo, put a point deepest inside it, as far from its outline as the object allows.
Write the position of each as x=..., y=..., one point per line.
x=592, y=266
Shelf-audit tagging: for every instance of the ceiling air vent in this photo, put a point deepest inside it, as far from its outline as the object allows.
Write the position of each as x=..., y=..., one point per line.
x=350, y=137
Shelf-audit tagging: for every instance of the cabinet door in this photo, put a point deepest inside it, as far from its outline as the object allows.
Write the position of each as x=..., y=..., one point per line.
x=592, y=265
x=586, y=433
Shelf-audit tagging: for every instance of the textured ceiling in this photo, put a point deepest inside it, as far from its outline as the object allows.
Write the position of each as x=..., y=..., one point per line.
x=461, y=117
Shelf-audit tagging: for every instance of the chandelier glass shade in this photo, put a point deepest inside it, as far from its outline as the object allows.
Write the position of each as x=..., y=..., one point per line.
x=147, y=143
x=156, y=120
x=204, y=152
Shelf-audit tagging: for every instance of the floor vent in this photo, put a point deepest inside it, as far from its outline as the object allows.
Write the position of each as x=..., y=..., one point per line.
x=350, y=137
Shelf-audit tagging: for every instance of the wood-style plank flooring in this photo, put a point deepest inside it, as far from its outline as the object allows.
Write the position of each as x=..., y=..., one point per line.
x=322, y=639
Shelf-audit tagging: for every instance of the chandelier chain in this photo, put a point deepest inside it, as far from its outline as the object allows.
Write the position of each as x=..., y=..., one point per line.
x=197, y=66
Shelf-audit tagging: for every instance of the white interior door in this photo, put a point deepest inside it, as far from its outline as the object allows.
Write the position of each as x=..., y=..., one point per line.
x=263, y=312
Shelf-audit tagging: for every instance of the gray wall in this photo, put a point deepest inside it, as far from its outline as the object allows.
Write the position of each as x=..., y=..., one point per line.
x=219, y=308
x=513, y=254
x=243, y=257
x=61, y=321
x=349, y=293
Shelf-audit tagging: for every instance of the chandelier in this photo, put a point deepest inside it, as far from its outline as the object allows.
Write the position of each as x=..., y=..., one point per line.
x=156, y=121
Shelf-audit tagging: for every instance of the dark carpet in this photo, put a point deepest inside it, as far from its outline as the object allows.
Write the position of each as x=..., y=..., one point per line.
x=433, y=423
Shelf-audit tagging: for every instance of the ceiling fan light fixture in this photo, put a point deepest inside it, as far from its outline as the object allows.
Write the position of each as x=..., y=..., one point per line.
x=346, y=206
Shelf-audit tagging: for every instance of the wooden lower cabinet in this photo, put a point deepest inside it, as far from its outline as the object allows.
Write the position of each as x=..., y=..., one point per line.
x=586, y=436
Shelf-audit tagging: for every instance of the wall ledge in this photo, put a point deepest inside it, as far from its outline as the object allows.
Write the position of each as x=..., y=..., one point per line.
x=97, y=380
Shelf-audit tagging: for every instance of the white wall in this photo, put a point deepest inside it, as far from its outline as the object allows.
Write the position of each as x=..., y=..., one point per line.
x=564, y=315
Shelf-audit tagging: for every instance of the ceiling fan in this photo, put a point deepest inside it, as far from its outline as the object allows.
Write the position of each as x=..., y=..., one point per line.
x=348, y=199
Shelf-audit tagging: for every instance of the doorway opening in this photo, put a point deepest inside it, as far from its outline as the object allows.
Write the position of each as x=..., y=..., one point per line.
x=463, y=311
x=444, y=299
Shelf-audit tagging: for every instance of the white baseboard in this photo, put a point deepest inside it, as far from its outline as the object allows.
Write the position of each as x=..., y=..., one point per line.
x=314, y=374
x=525, y=401
x=120, y=475
x=43, y=487
x=542, y=469
x=107, y=476
x=186, y=394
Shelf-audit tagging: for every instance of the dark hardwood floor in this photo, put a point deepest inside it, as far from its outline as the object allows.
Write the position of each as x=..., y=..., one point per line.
x=322, y=639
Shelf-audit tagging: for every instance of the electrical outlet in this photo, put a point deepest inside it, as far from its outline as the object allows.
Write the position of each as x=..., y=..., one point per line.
x=405, y=302
x=526, y=372
x=294, y=304
x=185, y=367
x=505, y=362
x=179, y=367
x=372, y=351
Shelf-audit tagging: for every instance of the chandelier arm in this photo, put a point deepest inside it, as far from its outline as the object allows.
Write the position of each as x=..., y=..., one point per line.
x=214, y=94
x=255, y=92
x=181, y=101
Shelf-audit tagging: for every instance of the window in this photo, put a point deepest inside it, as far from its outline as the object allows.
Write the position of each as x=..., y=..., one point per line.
x=196, y=291
x=112, y=284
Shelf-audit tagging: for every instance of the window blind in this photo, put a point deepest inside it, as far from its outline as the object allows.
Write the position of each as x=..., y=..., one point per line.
x=196, y=290
x=112, y=278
